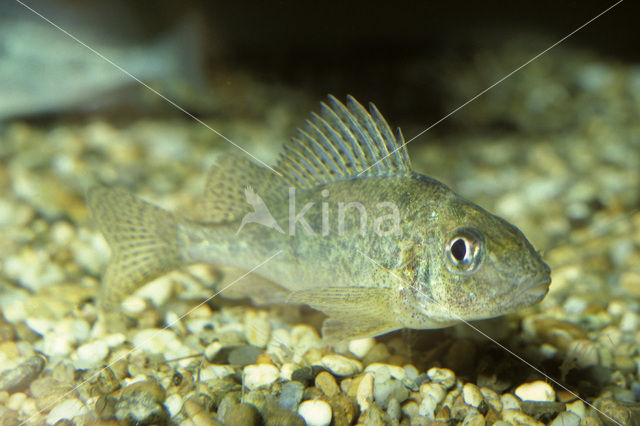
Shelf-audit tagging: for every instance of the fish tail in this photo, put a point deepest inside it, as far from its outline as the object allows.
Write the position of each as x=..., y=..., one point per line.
x=143, y=240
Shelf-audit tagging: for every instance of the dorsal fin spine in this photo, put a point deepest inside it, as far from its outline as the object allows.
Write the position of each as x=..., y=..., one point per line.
x=346, y=130
x=335, y=155
x=343, y=141
x=345, y=137
x=336, y=140
x=328, y=162
x=295, y=171
x=303, y=157
x=368, y=126
x=385, y=133
x=402, y=147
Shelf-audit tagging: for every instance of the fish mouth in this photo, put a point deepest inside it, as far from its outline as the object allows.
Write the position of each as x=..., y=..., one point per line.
x=536, y=287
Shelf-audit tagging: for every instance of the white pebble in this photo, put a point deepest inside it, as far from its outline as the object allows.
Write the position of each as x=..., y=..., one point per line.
x=566, y=419
x=16, y=400
x=364, y=393
x=428, y=407
x=629, y=322
x=91, y=354
x=578, y=408
x=55, y=344
x=341, y=366
x=360, y=347
x=162, y=341
x=386, y=370
x=212, y=351
x=173, y=404
x=443, y=376
x=158, y=292
x=134, y=305
x=471, y=395
x=509, y=402
x=258, y=375
x=315, y=412
x=67, y=409
x=257, y=328
x=536, y=391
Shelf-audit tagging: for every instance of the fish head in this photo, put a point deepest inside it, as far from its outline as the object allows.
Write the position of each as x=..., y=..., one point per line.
x=482, y=265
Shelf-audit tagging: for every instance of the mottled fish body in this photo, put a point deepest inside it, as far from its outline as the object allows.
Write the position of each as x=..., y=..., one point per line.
x=349, y=229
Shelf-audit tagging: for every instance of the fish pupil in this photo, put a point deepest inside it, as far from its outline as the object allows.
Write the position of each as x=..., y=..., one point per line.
x=459, y=249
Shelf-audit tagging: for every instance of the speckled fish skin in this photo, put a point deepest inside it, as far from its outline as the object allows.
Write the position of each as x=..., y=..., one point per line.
x=447, y=261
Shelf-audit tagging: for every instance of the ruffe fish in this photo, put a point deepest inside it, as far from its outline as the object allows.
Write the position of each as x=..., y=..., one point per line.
x=348, y=228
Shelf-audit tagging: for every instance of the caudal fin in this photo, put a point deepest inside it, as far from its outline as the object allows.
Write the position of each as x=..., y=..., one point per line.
x=143, y=240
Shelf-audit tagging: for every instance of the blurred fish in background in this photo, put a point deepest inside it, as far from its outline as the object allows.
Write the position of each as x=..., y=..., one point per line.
x=44, y=71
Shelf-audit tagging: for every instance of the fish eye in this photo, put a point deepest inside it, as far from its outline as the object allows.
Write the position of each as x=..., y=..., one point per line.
x=463, y=250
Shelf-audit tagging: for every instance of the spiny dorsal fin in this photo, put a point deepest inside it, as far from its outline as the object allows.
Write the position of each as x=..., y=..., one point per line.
x=340, y=143
x=226, y=197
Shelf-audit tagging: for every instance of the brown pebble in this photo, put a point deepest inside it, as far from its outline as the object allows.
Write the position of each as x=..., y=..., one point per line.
x=19, y=378
x=378, y=353
x=344, y=409
x=327, y=384
x=149, y=387
x=107, y=381
x=243, y=414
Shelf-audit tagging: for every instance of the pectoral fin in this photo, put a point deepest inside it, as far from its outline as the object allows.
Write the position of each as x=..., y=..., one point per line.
x=353, y=312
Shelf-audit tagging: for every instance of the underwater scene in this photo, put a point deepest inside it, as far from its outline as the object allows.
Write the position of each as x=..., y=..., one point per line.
x=292, y=213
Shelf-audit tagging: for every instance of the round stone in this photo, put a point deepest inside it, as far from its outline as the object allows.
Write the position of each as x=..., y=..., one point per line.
x=471, y=395
x=442, y=376
x=327, y=384
x=67, y=409
x=259, y=375
x=360, y=347
x=538, y=391
x=315, y=413
x=341, y=366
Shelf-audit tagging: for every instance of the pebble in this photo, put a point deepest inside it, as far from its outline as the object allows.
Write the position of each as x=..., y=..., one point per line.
x=509, y=402
x=16, y=400
x=308, y=372
x=538, y=391
x=360, y=347
x=578, y=408
x=67, y=409
x=341, y=366
x=471, y=395
x=141, y=403
x=91, y=354
x=442, y=376
x=473, y=419
x=212, y=350
x=394, y=410
x=258, y=375
x=291, y=395
x=327, y=384
x=518, y=418
x=242, y=414
x=19, y=378
x=160, y=341
x=385, y=390
x=432, y=395
x=173, y=404
x=257, y=328
x=315, y=413
x=158, y=291
x=566, y=419
x=492, y=398
x=378, y=353
x=244, y=355
x=364, y=392
x=386, y=370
